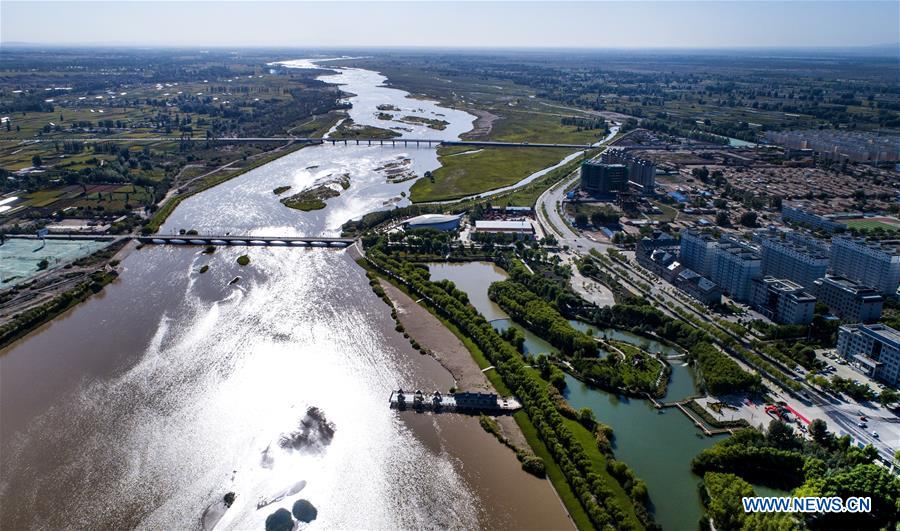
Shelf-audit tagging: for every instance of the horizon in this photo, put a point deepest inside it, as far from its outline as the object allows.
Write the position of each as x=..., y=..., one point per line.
x=604, y=25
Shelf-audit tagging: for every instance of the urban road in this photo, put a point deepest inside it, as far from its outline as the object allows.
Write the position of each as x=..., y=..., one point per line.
x=306, y=140
x=553, y=222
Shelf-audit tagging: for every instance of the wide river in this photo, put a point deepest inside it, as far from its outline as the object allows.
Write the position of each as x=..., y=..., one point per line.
x=145, y=405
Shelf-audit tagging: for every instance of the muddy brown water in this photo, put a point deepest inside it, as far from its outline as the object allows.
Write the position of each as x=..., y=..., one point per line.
x=146, y=404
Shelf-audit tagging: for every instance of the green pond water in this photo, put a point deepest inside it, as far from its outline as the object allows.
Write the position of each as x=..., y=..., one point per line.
x=658, y=446
x=19, y=257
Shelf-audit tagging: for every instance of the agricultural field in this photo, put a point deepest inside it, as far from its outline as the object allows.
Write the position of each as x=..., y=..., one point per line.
x=61, y=138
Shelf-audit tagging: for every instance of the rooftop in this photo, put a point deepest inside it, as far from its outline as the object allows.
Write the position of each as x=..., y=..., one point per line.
x=501, y=225
x=427, y=219
x=849, y=285
x=883, y=333
x=890, y=247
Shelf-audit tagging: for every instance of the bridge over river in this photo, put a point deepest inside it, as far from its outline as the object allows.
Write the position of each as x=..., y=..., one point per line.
x=283, y=241
x=429, y=142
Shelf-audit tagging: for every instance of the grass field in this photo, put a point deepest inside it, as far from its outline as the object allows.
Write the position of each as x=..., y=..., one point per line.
x=869, y=224
x=554, y=472
x=476, y=172
x=488, y=169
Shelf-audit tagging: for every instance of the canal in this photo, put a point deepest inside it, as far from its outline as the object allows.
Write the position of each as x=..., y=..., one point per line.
x=658, y=445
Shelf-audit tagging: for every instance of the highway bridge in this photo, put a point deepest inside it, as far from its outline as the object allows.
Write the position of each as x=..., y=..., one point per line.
x=270, y=241
x=429, y=142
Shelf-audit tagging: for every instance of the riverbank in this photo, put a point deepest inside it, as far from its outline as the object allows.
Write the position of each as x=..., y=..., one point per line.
x=534, y=502
x=165, y=210
x=445, y=347
x=62, y=290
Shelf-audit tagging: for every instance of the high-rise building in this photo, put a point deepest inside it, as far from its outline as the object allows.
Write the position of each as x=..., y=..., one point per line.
x=697, y=249
x=872, y=349
x=871, y=263
x=641, y=172
x=796, y=257
x=782, y=300
x=849, y=300
x=602, y=179
x=735, y=265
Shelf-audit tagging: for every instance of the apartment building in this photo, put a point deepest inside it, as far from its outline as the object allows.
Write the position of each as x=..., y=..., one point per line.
x=872, y=263
x=850, y=301
x=872, y=349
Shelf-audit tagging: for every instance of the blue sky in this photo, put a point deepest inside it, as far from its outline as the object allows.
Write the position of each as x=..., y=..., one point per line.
x=614, y=24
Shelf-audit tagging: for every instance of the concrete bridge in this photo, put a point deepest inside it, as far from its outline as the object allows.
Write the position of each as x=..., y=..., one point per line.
x=428, y=142
x=269, y=241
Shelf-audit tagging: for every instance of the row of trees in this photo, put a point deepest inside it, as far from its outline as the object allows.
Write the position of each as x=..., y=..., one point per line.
x=719, y=373
x=542, y=318
x=590, y=488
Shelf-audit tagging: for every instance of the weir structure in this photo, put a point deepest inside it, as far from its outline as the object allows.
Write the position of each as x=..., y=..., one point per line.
x=459, y=402
x=269, y=241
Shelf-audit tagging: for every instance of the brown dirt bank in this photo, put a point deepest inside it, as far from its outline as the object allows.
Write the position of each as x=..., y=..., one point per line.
x=511, y=498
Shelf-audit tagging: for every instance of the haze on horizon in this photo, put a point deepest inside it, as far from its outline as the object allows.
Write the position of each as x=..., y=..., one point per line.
x=499, y=24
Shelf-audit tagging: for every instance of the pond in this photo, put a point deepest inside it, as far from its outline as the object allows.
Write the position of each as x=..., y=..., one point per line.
x=658, y=445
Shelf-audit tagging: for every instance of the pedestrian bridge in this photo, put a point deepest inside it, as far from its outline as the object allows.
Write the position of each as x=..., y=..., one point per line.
x=269, y=241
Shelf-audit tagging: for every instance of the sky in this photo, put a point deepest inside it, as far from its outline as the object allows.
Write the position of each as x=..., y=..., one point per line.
x=466, y=24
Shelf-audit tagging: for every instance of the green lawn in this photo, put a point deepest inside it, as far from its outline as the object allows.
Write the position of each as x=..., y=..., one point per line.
x=868, y=224
x=461, y=175
x=488, y=169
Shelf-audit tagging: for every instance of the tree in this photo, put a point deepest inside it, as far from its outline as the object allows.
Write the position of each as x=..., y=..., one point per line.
x=722, y=219
x=586, y=418
x=888, y=397
x=36, y=161
x=280, y=520
x=781, y=435
x=725, y=492
x=581, y=219
x=700, y=173
x=748, y=219
x=818, y=430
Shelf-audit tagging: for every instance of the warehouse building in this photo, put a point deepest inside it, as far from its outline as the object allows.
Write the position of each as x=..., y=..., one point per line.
x=522, y=228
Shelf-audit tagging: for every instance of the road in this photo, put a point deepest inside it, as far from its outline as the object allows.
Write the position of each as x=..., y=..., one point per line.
x=842, y=416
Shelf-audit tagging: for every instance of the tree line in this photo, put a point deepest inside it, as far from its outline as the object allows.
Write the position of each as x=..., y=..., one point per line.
x=591, y=489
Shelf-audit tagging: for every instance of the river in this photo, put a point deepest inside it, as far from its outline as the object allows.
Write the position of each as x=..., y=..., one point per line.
x=658, y=446
x=146, y=404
